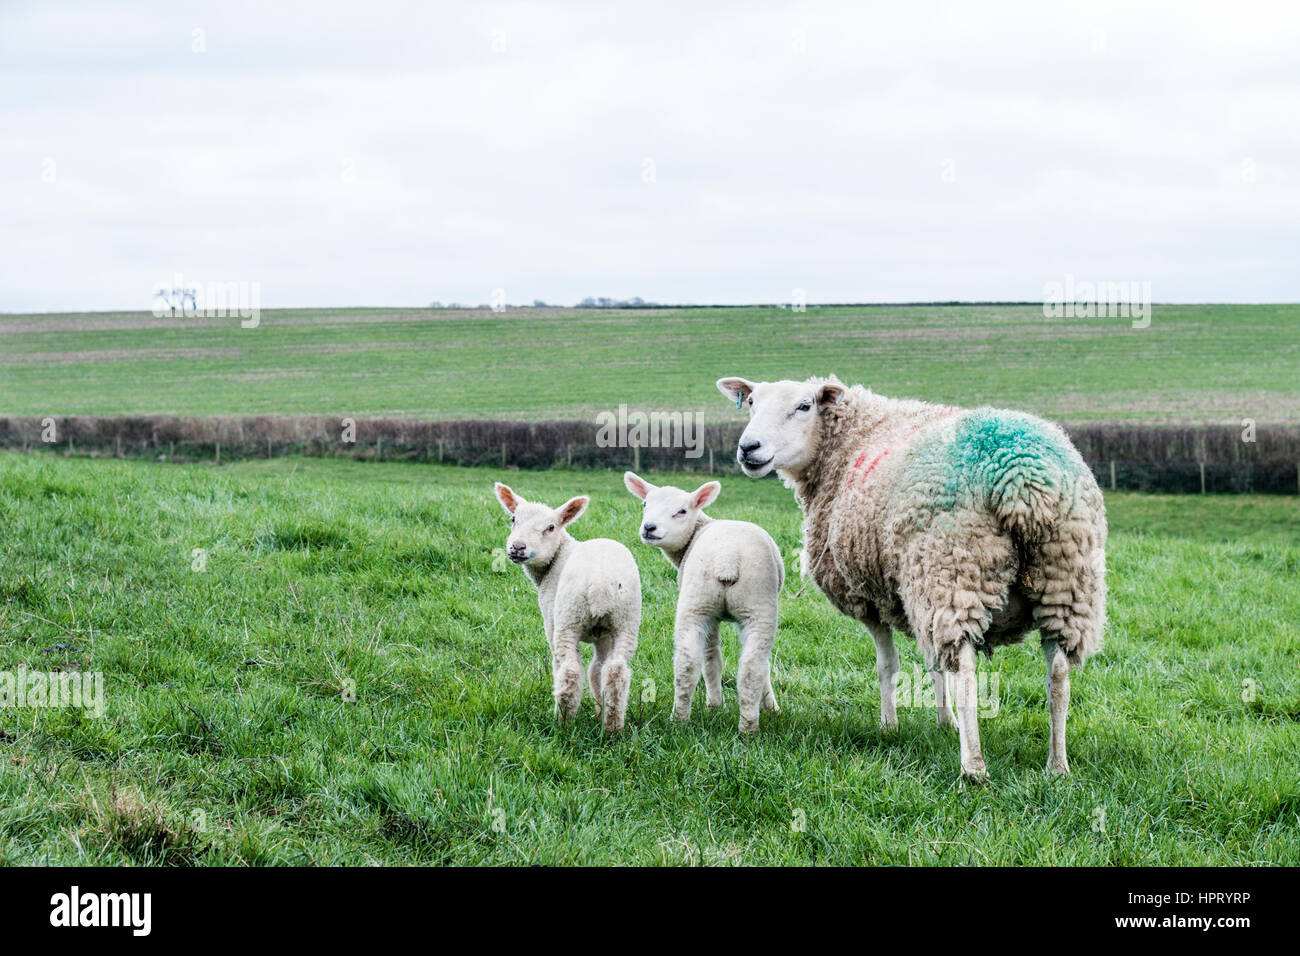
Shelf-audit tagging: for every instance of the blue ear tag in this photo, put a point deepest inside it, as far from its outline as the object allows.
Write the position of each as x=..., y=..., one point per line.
x=740, y=400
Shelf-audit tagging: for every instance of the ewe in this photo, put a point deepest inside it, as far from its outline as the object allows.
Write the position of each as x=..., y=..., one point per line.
x=965, y=529
x=587, y=591
x=726, y=571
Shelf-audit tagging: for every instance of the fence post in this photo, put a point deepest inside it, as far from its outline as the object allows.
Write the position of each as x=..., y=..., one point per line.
x=1112, y=474
x=268, y=447
x=503, y=454
x=711, y=461
x=440, y=451
x=1202, y=477
x=636, y=458
x=218, y=453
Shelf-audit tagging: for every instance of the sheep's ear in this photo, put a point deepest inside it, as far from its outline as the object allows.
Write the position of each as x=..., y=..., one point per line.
x=831, y=393
x=509, y=500
x=705, y=495
x=637, y=485
x=736, y=389
x=570, y=510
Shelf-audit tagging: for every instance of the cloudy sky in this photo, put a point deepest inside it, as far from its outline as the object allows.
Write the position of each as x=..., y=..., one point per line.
x=395, y=154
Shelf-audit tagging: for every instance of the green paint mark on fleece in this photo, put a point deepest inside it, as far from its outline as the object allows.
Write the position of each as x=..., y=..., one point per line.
x=995, y=453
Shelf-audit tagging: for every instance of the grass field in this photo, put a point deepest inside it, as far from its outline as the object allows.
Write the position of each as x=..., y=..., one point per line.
x=228, y=738
x=1193, y=364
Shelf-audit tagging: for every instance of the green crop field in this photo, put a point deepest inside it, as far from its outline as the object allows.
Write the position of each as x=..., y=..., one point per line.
x=1193, y=364
x=342, y=673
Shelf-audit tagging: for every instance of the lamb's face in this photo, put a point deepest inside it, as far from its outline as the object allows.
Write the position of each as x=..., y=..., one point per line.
x=536, y=530
x=783, y=422
x=669, y=516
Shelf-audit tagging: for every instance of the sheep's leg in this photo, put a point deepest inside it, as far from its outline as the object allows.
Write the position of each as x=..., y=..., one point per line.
x=769, y=698
x=566, y=671
x=1058, y=705
x=966, y=694
x=942, y=704
x=603, y=647
x=887, y=671
x=713, y=669
x=688, y=659
x=754, y=676
x=616, y=679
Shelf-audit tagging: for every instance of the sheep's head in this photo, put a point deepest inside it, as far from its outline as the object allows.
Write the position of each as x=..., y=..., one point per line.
x=536, y=530
x=784, y=418
x=670, y=514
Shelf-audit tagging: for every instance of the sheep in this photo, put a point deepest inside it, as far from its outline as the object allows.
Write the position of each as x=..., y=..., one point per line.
x=587, y=591
x=965, y=529
x=726, y=570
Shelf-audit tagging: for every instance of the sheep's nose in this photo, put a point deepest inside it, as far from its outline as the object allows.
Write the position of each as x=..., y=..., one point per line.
x=648, y=528
x=749, y=446
x=516, y=547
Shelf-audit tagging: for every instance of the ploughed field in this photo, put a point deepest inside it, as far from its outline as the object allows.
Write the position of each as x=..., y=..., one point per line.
x=325, y=661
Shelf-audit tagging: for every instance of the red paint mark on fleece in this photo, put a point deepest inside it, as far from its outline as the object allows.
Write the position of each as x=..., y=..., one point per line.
x=862, y=479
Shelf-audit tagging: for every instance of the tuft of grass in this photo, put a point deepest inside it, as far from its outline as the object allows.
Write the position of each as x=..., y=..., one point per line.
x=353, y=677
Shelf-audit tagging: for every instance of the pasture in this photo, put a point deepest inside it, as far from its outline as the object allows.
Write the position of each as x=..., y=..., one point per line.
x=311, y=661
x=1196, y=363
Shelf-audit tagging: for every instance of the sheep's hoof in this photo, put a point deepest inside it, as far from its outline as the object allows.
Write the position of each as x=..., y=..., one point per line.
x=713, y=705
x=748, y=728
x=888, y=724
x=975, y=774
x=1061, y=769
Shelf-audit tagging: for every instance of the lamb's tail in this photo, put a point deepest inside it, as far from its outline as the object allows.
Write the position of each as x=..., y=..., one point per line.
x=604, y=597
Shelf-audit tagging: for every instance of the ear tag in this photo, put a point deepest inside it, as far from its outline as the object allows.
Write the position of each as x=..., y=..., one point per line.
x=740, y=400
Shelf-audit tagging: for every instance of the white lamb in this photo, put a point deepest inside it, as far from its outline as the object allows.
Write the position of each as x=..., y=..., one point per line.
x=726, y=571
x=587, y=591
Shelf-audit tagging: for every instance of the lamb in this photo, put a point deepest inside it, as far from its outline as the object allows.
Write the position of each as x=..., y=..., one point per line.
x=726, y=570
x=965, y=529
x=587, y=591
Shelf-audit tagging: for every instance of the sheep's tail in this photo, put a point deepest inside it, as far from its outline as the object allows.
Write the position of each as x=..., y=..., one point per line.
x=604, y=597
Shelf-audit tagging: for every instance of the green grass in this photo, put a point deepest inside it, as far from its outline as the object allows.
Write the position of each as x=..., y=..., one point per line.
x=227, y=737
x=1217, y=363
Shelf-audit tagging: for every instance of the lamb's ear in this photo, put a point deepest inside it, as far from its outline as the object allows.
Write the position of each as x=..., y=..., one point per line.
x=637, y=485
x=831, y=393
x=736, y=389
x=509, y=500
x=705, y=495
x=570, y=510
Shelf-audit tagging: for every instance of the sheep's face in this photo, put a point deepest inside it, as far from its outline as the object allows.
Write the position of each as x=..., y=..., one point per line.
x=783, y=424
x=669, y=517
x=536, y=530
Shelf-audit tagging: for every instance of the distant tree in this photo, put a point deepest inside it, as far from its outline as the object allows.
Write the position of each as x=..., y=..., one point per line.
x=538, y=304
x=435, y=304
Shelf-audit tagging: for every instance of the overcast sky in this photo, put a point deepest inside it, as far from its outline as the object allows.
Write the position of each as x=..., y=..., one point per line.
x=395, y=154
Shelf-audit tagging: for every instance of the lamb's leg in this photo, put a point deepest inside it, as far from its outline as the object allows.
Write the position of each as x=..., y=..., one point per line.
x=713, y=669
x=616, y=679
x=769, y=698
x=688, y=658
x=754, y=676
x=566, y=671
x=603, y=647
x=1058, y=705
x=966, y=693
x=887, y=671
x=942, y=704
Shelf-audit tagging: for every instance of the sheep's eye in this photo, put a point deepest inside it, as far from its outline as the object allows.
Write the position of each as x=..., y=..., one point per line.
x=805, y=407
x=680, y=513
x=550, y=528
x=751, y=400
